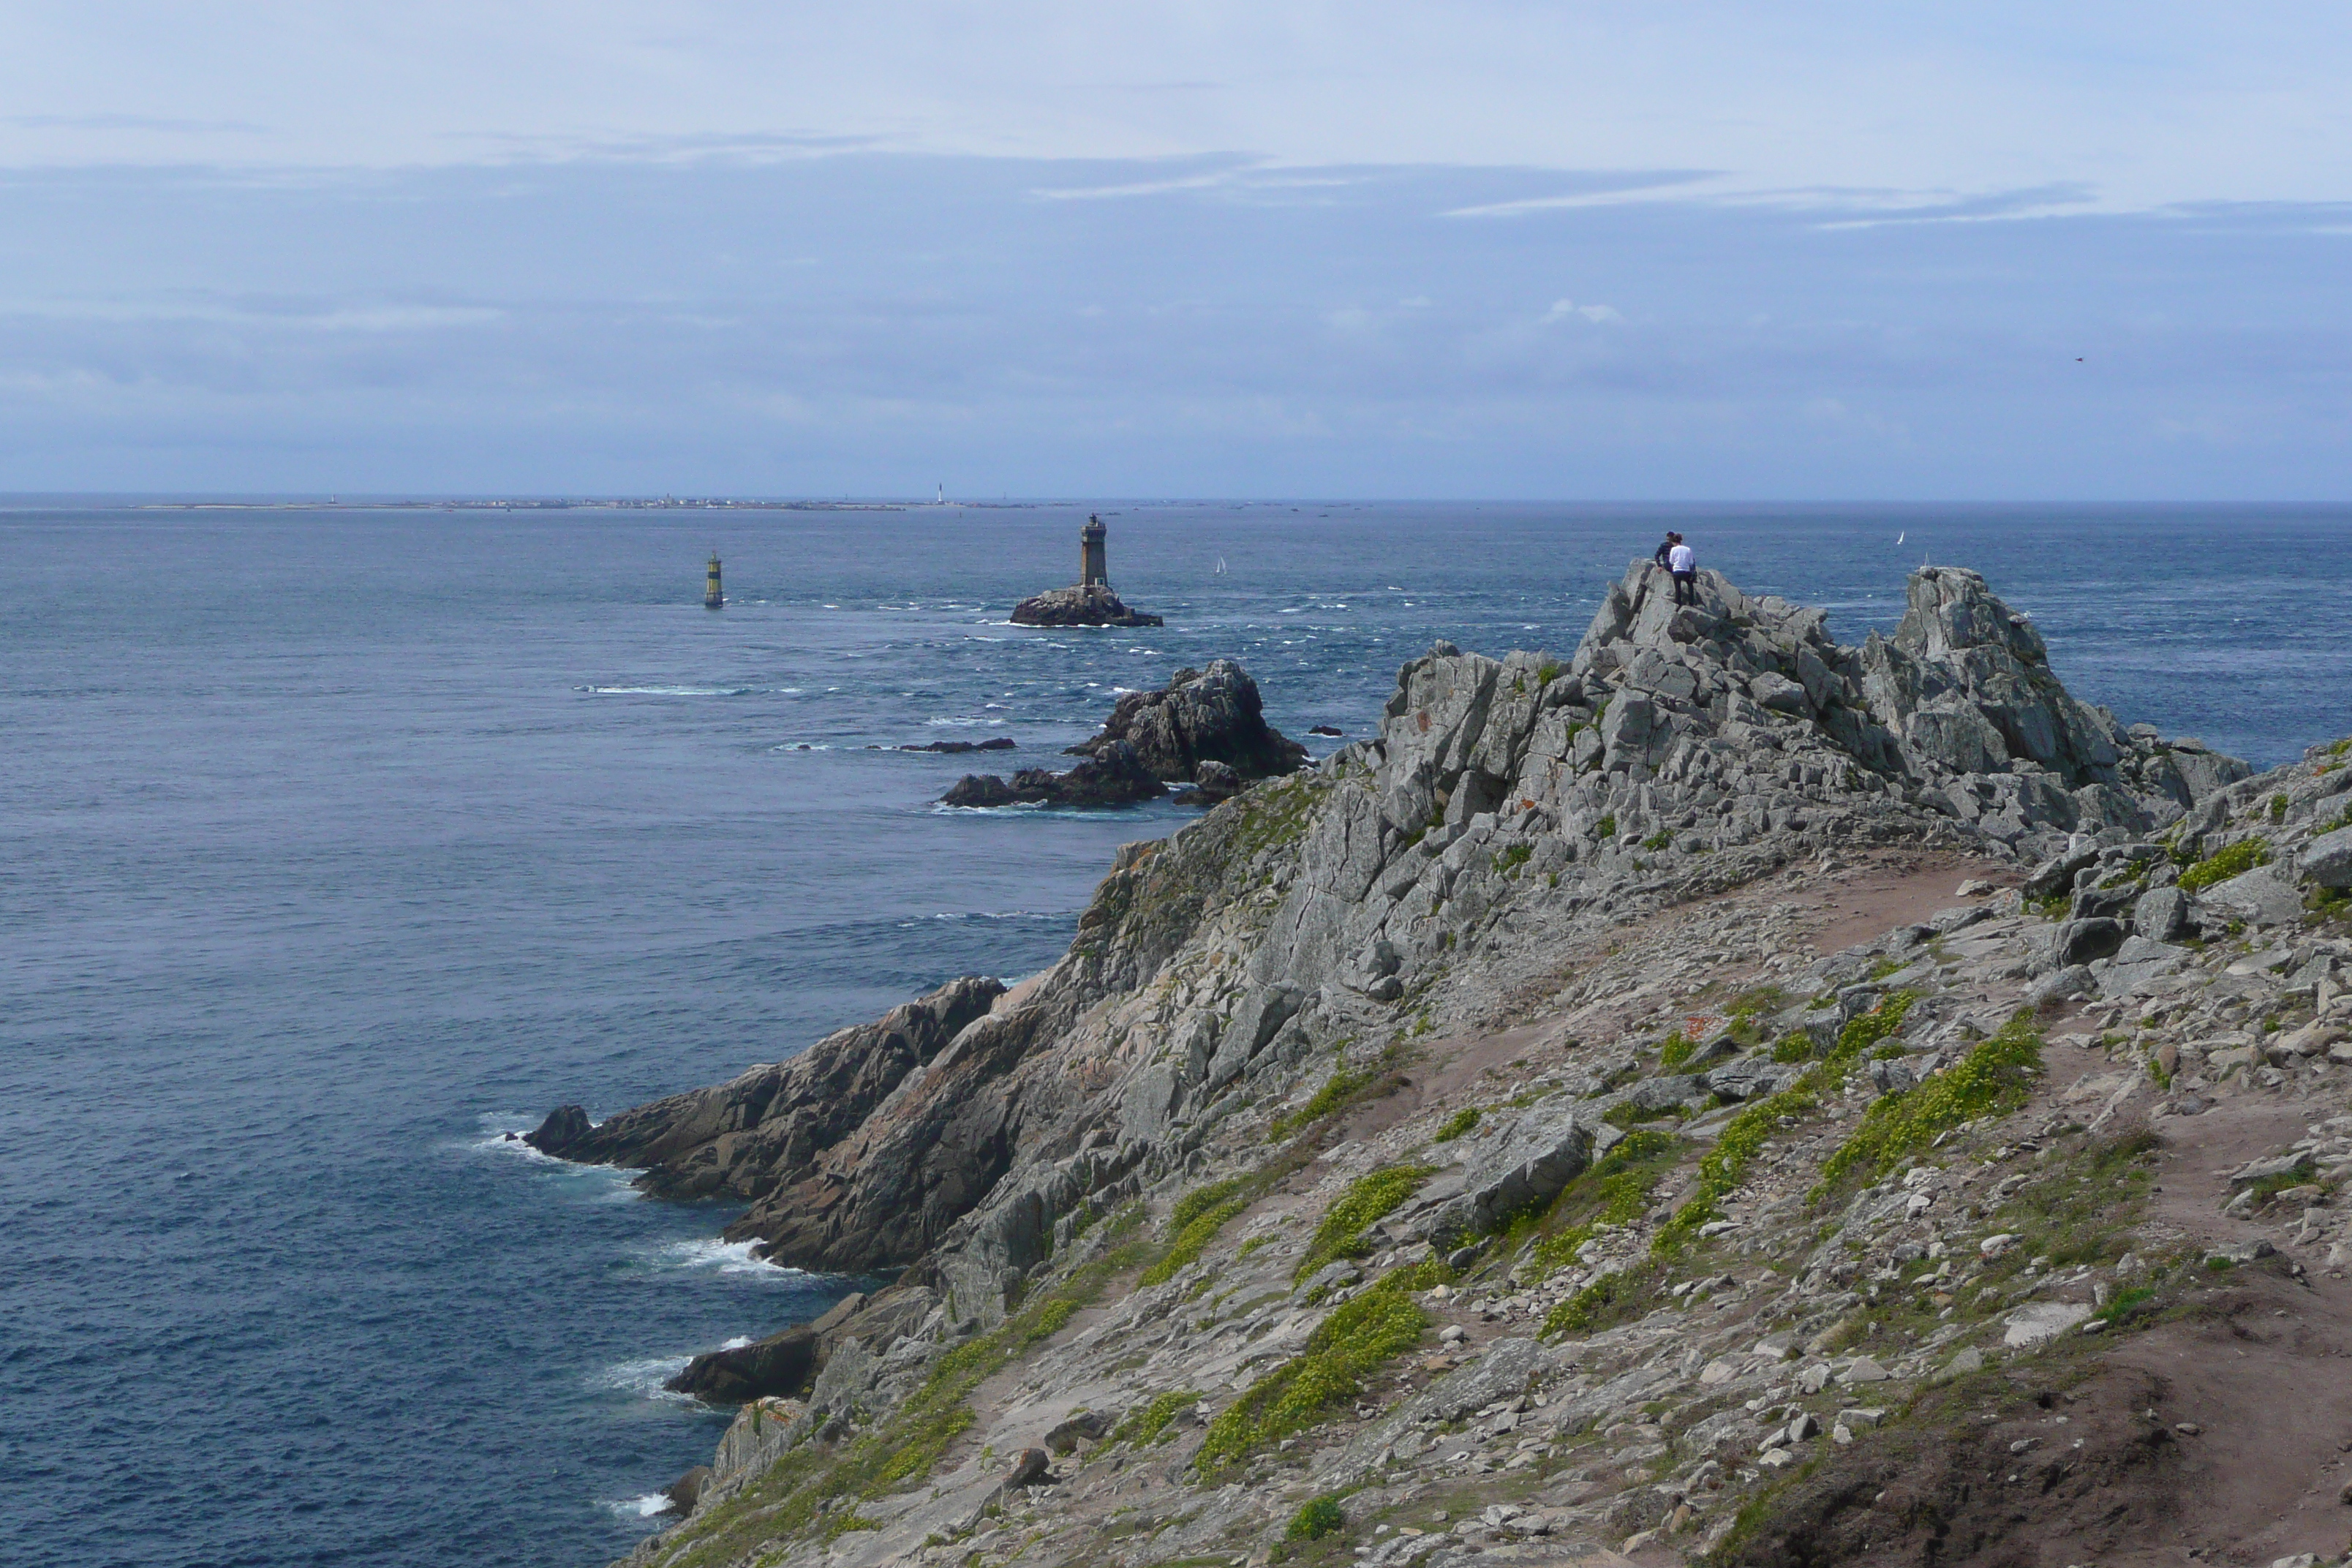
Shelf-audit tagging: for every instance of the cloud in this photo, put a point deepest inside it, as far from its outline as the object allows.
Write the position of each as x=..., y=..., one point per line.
x=870, y=321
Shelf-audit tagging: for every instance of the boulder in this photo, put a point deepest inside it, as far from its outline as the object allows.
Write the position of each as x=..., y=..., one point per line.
x=2327, y=859
x=1090, y=604
x=2161, y=914
x=2262, y=896
x=687, y=1490
x=1212, y=715
x=1515, y=1170
x=780, y=1364
x=1115, y=775
x=958, y=748
x=2086, y=941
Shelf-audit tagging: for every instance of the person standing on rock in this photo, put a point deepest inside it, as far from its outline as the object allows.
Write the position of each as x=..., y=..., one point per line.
x=1667, y=549
x=1683, y=563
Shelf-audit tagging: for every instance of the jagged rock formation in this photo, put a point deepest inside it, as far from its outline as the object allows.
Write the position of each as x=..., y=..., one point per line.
x=771, y=1126
x=1205, y=727
x=1538, y=866
x=1201, y=716
x=1087, y=605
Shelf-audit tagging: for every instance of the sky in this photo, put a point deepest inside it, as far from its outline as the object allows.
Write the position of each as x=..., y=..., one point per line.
x=1486, y=249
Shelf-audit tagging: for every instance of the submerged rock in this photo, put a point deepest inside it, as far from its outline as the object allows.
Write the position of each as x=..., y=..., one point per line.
x=1114, y=776
x=958, y=748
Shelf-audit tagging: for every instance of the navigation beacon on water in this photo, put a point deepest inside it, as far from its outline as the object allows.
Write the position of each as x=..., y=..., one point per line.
x=712, y=597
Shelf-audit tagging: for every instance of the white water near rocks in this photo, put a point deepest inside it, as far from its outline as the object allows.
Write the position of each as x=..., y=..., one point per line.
x=340, y=844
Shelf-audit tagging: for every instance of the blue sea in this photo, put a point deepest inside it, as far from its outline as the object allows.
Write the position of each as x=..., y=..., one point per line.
x=336, y=843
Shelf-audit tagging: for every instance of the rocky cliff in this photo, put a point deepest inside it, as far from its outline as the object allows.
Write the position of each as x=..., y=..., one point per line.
x=1583, y=1111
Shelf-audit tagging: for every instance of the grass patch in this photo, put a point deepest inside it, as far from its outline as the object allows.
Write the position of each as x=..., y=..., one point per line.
x=1992, y=1080
x=1659, y=839
x=1795, y=1047
x=1595, y=1306
x=1460, y=1123
x=1509, y=861
x=1363, y=1334
x=1146, y=1423
x=1368, y=1199
x=1743, y=1137
x=1614, y=1190
x=1192, y=1224
x=2235, y=860
x=1674, y=1050
x=1606, y=828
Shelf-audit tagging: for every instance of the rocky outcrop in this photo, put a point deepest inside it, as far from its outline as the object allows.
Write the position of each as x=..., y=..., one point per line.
x=1089, y=605
x=1115, y=775
x=1332, y=945
x=1680, y=749
x=1205, y=729
x=1201, y=716
x=769, y=1126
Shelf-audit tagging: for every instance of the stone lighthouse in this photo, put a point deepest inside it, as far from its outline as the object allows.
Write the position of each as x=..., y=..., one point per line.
x=1093, y=568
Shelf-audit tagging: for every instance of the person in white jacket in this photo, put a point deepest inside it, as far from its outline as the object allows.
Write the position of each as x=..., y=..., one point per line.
x=1683, y=564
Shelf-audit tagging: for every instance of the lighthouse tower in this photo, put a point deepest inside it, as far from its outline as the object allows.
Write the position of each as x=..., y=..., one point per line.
x=712, y=598
x=1093, y=568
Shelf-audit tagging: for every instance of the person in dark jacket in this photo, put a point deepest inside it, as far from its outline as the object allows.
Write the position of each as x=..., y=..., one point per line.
x=1667, y=549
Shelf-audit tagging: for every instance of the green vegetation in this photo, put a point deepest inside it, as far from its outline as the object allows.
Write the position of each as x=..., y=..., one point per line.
x=1320, y=1517
x=1147, y=1423
x=1614, y=1190
x=2234, y=861
x=1992, y=1080
x=1795, y=1047
x=1192, y=1224
x=2278, y=808
x=1361, y=1334
x=1659, y=839
x=1589, y=1308
x=1548, y=673
x=1606, y=828
x=1274, y=814
x=1674, y=1050
x=1460, y=1123
x=1337, y=1090
x=1725, y=1165
x=1369, y=1198
x=1509, y=861
x=902, y=1450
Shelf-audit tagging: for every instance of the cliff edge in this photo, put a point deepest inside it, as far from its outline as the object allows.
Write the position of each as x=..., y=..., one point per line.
x=1516, y=1131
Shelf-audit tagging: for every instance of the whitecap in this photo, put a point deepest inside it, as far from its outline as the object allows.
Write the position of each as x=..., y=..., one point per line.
x=725, y=1257
x=670, y=690
x=644, y=1376
x=653, y=1505
x=740, y=1341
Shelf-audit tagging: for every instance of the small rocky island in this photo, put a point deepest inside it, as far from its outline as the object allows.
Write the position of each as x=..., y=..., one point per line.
x=1206, y=729
x=1090, y=603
